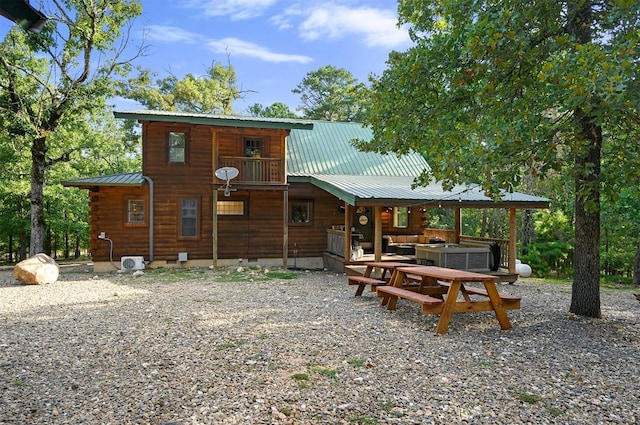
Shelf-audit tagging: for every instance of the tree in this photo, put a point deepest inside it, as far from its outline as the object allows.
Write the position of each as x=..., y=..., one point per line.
x=332, y=94
x=213, y=93
x=275, y=110
x=492, y=91
x=53, y=80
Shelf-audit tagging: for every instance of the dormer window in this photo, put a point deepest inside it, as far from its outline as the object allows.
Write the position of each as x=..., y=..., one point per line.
x=253, y=147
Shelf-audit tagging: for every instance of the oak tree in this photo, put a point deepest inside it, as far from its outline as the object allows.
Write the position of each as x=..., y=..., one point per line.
x=211, y=93
x=332, y=94
x=52, y=80
x=275, y=110
x=493, y=91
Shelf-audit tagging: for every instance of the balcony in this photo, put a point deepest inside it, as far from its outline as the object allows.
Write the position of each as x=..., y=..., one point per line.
x=255, y=170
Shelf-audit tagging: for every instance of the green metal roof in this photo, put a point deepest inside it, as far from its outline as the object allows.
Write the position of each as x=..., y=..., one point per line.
x=129, y=179
x=217, y=120
x=397, y=191
x=322, y=154
x=327, y=149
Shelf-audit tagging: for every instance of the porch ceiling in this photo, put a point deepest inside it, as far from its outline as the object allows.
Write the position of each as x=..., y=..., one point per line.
x=397, y=191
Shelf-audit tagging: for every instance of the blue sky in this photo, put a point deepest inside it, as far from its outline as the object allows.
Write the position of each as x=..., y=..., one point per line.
x=272, y=44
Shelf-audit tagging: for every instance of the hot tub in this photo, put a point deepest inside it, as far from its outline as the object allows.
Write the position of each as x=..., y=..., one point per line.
x=454, y=256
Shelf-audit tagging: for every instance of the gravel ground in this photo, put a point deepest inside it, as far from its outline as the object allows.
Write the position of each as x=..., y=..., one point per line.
x=186, y=347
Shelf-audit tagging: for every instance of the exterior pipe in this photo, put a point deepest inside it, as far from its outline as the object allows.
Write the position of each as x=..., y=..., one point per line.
x=151, y=218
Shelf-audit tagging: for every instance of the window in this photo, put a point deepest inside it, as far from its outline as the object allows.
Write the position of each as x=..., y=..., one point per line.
x=230, y=207
x=300, y=211
x=189, y=218
x=400, y=217
x=135, y=211
x=253, y=147
x=177, y=147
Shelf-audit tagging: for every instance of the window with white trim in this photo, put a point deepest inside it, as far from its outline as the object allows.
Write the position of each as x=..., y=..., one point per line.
x=400, y=217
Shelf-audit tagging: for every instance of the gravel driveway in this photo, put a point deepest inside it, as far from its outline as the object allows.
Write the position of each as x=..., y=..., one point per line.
x=188, y=347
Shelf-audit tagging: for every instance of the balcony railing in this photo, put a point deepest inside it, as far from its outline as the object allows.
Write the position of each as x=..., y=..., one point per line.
x=255, y=170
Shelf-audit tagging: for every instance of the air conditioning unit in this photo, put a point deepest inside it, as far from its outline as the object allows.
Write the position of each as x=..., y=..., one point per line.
x=132, y=263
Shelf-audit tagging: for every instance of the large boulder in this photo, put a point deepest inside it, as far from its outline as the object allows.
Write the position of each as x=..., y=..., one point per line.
x=36, y=270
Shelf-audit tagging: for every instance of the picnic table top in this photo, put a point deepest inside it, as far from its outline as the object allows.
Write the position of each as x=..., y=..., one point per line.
x=448, y=274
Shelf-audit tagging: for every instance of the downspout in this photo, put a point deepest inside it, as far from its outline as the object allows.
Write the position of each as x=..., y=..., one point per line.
x=151, y=218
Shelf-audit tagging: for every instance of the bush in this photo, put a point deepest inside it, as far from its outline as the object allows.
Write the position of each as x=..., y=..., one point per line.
x=547, y=257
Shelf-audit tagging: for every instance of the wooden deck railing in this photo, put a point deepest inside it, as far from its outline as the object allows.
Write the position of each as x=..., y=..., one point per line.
x=502, y=243
x=255, y=170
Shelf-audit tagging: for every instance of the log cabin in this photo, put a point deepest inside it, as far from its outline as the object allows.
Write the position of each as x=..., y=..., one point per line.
x=227, y=190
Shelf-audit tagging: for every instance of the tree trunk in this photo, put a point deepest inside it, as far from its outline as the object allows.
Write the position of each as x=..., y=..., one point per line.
x=67, y=247
x=38, y=165
x=528, y=230
x=585, y=295
x=77, y=253
x=483, y=228
x=636, y=267
x=23, y=245
x=11, y=249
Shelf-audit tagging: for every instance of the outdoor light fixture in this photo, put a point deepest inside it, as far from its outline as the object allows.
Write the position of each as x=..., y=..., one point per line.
x=25, y=16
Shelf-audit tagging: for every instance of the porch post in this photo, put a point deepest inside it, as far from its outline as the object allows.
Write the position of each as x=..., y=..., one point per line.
x=214, y=231
x=512, y=240
x=348, y=219
x=214, y=218
x=377, y=233
x=457, y=224
x=285, y=230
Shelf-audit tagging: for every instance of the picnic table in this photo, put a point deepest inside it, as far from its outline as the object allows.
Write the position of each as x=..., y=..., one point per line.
x=386, y=271
x=450, y=283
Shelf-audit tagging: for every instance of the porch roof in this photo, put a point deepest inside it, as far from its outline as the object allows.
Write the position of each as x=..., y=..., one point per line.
x=128, y=179
x=397, y=191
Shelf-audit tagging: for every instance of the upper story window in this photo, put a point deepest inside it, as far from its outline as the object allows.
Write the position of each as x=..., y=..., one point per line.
x=400, y=217
x=177, y=147
x=253, y=147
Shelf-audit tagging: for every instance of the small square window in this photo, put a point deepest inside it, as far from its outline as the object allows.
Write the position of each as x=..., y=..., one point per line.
x=135, y=211
x=177, y=147
x=400, y=217
x=300, y=211
x=253, y=147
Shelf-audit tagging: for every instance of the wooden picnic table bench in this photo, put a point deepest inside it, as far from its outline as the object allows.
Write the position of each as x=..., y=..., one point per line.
x=363, y=281
x=391, y=294
x=449, y=283
x=510, y=302
x=386, y=271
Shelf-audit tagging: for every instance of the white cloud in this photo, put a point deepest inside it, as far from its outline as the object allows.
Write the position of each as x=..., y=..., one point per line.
x=377, y=27
x=233, y=46
x=234, y=9
x=171, y=34
x=237, y=47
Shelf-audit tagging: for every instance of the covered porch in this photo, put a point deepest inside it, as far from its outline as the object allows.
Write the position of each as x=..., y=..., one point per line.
x=380, y=193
